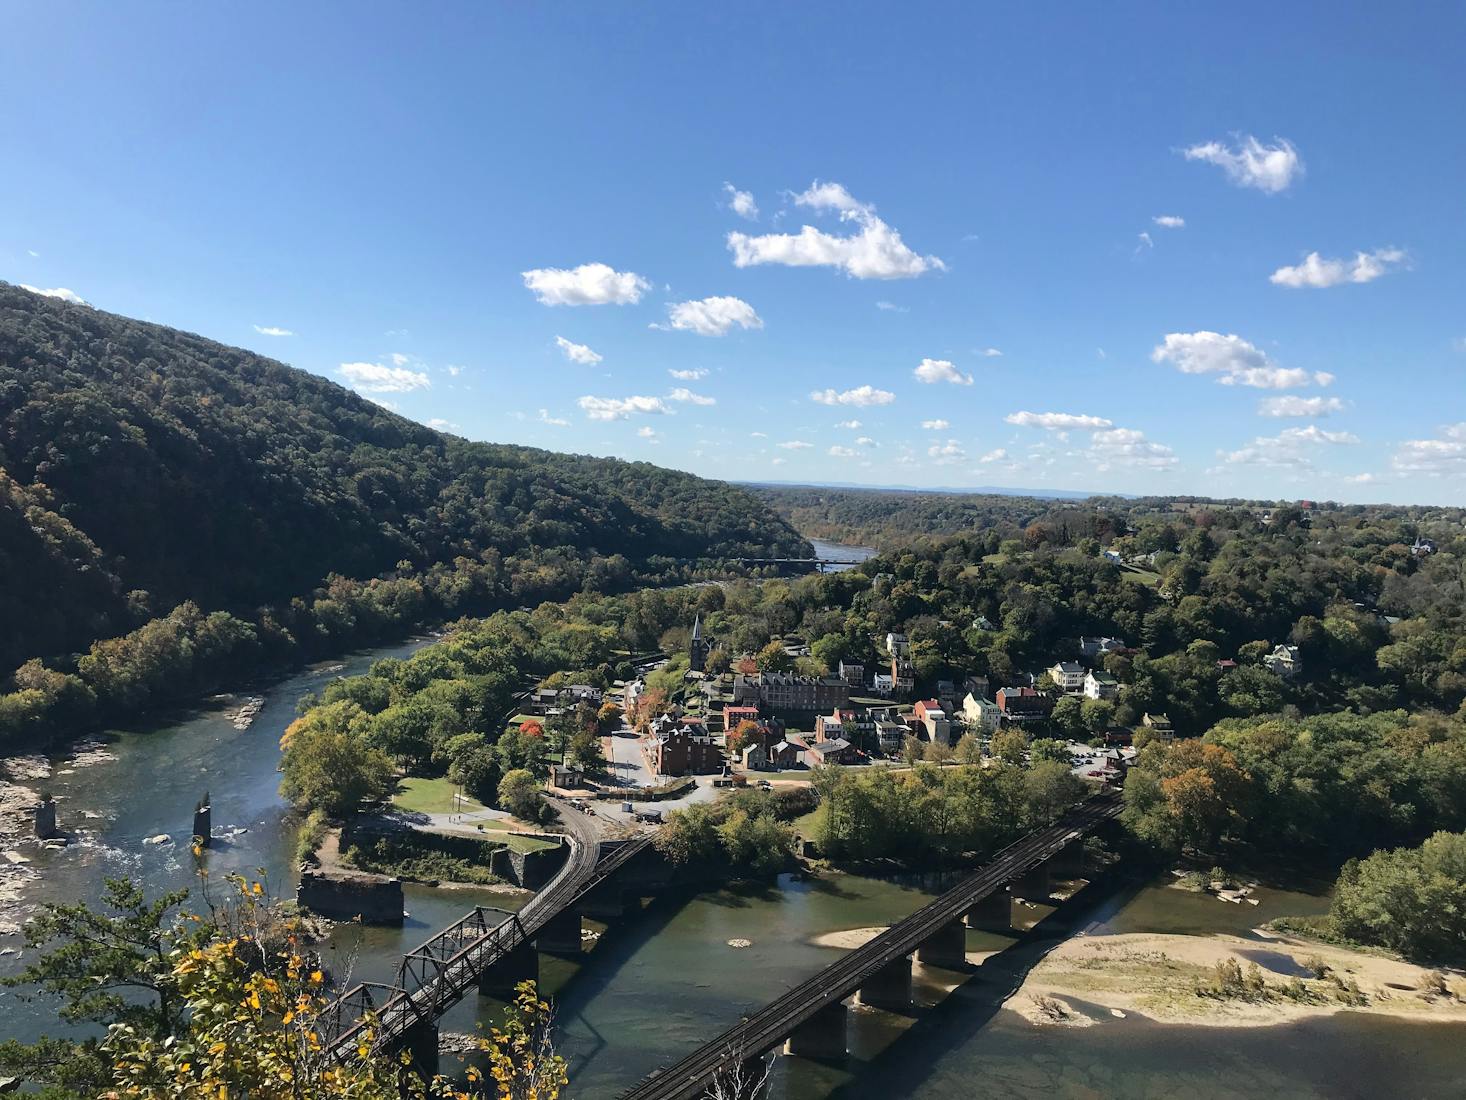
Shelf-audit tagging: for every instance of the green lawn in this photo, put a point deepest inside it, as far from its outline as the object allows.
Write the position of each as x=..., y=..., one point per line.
x=1141, y=576
x=430, y=796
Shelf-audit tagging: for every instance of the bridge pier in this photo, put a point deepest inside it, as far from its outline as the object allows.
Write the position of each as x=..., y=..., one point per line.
x=1032, y=885
x=520, y=965
x=993, y=913
x=607, y=903
x=1068, y=861
x=822, y=1036
x=420, y=1043
x=889, y=987
x=947, y=947
x=561, y=934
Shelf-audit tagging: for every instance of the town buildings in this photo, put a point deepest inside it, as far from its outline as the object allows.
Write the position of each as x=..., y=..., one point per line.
x=785, y=692
x=1023, y=704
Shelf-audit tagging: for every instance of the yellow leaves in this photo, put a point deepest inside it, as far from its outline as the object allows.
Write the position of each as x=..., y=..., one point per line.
x=317, y=977
x=254, y=999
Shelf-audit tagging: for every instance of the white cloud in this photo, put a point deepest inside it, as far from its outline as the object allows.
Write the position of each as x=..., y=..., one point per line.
x=556, y=421
x=759, y=435
x=399, y=360
x=577, y=353
x=619, y=408
x=1270, y=168
x=1057, y=422
x=272, y=330
x=453, y=370
x=1316, y=272
x=376, y=378
x=586, y=285
x=1434, y=457
x=860, y=395
x=891, y=307
x=776, y=462
x=843, y=452
x=32, y=253
x=712, y=316
x=1238, y=362
x=1364, y=479
x=936, y=425
x=1293, y=405
x=1169, y=221
x=685, y=395
x=853, y=425
x=795, y=445
x=1289, y=448
x=865, y=441
x=1128, y=447
x=876, y=251
x=741, y=202
x=1145, y=241
x=646, y=431
x=992, y=353
x=691, y=375
x=997, y=455
x=932, y=371
x=57, y=292
x=439, y=424
x=946, y=454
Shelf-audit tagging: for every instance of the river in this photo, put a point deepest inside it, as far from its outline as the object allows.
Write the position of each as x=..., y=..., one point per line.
x=842, y=552
x=666, y=980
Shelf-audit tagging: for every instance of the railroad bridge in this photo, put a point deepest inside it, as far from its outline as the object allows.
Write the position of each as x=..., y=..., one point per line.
x=489, y=951
x=810, y=1019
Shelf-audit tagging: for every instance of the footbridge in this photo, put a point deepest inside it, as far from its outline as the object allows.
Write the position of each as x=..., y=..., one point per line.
x=489, y=950
x=810, y=1018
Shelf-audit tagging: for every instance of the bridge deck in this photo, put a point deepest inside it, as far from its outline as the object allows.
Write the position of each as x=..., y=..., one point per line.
x=759, y=1033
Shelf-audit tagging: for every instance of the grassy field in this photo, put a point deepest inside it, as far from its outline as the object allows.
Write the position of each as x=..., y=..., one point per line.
x=431, y=796
x=1140, y=576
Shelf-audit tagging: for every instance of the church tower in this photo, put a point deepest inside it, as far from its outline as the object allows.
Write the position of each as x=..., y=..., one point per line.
x=699, y=648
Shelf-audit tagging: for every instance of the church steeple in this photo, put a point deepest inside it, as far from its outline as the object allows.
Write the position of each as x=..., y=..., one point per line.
x=698, y=648
x=697, y=628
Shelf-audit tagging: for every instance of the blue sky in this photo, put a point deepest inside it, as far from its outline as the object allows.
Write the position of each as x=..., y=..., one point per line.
x=457, y=208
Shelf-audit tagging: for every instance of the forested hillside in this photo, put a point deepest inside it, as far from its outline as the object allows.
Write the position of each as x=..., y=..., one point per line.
x=142, y=467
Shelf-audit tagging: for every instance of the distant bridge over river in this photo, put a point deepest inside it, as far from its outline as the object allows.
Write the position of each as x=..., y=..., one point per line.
x=810, y=1018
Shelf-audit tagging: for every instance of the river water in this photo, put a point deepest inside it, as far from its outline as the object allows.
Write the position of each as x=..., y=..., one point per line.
x=661, y=982
x=840, y=551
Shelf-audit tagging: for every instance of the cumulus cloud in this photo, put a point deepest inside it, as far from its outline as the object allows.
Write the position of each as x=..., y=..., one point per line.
x=1128, y=447
x=586, y=285
x=794, y=445
x=853, y=425
x=272, y=330
x=1364, y=479
x=1293, y=405
x=57, y=292
x=577, y=353
x=932, y=371
x=712, y=316
x=685, y=395
x=691, y=375
x=620, y=408
x=376, y=378
x=1057, y=422
x=1289, y=449
x=1316, y=272
x=997, y=455
x=555, y=421
x=1145, y=242
x=741, y=202
x=865, y=441
x=992, y=353
x=946, y=454
x=1169, y=221
x=936, y=425
x=874, y=251
x=453, y=370
x=646, y=431
x=860, y=395
x=843, y=452
x=1234, y=360
x=891, y=307
x=1439, y=457
x=437, y=423
x=1250, y=163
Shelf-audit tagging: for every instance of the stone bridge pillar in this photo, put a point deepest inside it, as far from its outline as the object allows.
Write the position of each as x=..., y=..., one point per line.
x=946, y=948
x=520, y=965
x=1033, y=885
x=46, y=820
x=561, y=934
x=420, y=1043
x=822, y=1036
x=606, y=902
x=1068, y=861
x=993, y=913
x=889, y=987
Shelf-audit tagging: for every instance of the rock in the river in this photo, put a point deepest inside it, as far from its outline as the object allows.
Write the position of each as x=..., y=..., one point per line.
x=161, y=838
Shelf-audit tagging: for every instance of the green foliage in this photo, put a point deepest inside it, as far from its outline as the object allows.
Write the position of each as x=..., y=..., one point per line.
x=741, y=834
x=328, y=764
x=1410, y=900
x=519, y=793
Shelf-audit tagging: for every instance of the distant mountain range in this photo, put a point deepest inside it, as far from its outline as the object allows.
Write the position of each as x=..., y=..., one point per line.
x=978, y=490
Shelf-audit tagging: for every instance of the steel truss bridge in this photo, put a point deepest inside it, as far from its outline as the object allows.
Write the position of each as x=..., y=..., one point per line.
x=756, y=1035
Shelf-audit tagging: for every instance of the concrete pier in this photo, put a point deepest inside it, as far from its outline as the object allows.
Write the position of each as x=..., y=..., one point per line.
x=606, y=903
x=203, y=823
x=993, y=913
x=1068, y=862
x=420, y=1044
x=561, y=935
x=947, y=947
x=889, y=987
x=46, y=821
x=822, y=1036
x=340, y=895
x=520, y=965
x=1032, y=885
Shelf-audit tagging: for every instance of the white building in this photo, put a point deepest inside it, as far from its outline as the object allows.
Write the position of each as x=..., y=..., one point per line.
x=1100, y=685
x=982, y=714
x=1068, y=676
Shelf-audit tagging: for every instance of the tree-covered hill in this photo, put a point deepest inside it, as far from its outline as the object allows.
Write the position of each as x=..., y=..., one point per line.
x=141, y=467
